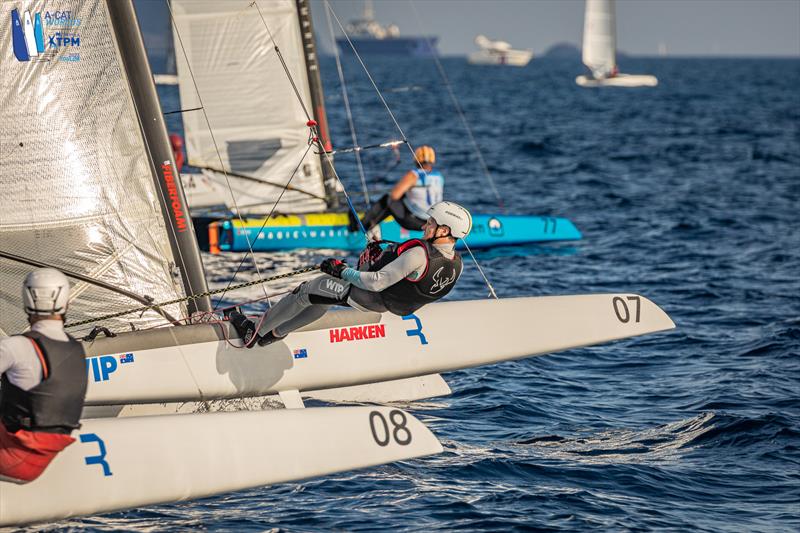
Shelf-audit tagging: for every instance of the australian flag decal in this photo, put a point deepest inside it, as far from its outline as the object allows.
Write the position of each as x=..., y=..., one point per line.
x=127, y=358
x=301, y=353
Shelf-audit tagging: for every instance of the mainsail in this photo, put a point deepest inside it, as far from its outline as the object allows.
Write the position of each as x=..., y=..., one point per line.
x=256, y=121
x=79, y=190
x=600, y=38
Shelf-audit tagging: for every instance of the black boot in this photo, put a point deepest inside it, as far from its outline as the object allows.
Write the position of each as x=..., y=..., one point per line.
x=243, y=326
x=269, y=338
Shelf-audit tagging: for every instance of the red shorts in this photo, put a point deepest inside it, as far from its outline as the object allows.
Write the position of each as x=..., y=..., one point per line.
x=25, y=454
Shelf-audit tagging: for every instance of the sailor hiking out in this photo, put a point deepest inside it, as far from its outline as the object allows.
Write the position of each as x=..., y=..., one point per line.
x=43, y=381
x=400, y=279
x=411, y=197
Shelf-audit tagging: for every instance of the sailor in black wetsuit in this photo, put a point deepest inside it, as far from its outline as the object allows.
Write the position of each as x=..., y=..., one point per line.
x=400, y=279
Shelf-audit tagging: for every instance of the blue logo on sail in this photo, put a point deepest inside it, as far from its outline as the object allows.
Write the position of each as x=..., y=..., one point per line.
x=28, y=38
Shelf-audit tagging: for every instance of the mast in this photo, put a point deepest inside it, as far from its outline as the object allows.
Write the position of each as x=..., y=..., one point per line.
x=317, y=98
x=173, y=202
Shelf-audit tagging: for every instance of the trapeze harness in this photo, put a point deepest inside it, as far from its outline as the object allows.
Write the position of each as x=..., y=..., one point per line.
x=406, y=296
x=55, y=404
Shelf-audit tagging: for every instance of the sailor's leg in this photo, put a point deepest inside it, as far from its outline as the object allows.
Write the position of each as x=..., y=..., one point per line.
x=319, y=293
x=404, y=216
x=365, y=300
x=376, y=213
x=305, y=318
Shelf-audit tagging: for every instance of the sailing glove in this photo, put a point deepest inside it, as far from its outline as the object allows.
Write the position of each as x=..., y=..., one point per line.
x=370, y=254
x=333, y=267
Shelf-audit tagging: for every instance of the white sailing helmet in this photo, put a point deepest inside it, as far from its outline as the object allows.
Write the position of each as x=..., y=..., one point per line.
x=453, y=216
x=45, y=292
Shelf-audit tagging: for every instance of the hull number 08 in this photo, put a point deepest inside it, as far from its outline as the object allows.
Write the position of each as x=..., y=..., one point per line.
x=381, y=432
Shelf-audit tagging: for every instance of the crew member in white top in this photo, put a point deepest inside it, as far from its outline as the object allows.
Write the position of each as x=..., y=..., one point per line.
x=411, y=197
x=42, y=381
x=400, y=279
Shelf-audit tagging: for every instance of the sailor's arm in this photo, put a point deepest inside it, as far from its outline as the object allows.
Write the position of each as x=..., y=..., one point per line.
x=409, y=262
x=402, y=186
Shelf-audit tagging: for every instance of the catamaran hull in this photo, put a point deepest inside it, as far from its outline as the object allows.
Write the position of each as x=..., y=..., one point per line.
x=620, y=80
x=329, y=230
x=348, y=348
x=122, y=463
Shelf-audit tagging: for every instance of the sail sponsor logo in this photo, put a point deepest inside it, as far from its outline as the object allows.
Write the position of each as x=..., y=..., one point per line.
x=31, y=43
x=101, y=367
x=61, y=19
x=358, y=333
x=174, y=198
x=416, y=331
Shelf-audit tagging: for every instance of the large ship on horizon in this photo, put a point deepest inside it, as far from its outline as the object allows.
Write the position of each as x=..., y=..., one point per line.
x=369, y=37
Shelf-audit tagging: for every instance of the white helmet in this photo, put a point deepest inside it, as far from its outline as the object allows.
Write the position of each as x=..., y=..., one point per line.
x=45, y=292
x=453, y=216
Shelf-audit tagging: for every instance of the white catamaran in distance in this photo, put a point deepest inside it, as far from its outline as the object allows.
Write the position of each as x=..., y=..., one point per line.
x=498, y=53
x=600, y=50
x=104, y=207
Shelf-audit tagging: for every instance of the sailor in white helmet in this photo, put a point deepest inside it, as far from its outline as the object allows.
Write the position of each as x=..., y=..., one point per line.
x=42, y=381
x=400, y=279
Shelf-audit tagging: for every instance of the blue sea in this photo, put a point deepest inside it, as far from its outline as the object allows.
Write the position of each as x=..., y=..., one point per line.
x=687, y=193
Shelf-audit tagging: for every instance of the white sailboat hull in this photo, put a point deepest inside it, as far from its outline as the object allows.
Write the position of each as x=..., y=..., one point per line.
x=348, y=348
x=513, y=58
x=123, y=463
x=620, y=80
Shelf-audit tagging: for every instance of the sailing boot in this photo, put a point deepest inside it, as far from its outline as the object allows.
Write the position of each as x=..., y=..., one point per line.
x=269, y=338
x=243, y=326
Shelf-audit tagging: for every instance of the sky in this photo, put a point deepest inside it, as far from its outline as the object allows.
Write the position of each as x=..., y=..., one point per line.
x=679, y=27
x=685, y=27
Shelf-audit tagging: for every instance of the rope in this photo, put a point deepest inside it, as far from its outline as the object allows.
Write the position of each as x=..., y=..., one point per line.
x=263, y=225
x=194, y=296
x=346, y=99
x=461, y=114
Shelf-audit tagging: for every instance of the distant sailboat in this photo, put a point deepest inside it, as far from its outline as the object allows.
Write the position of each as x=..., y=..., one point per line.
x=498, y=53
x=600, y=50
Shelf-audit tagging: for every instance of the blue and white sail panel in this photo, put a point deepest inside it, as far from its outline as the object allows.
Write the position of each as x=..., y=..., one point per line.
x=600, y=38
x=255, y=117
x=78, y=190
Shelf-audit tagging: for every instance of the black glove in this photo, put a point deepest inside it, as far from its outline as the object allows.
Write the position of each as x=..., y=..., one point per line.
x=333, y=267
x=370, y=254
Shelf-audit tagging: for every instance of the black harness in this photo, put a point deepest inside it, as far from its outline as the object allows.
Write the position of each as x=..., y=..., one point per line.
x=55, y=404
x=406, y=296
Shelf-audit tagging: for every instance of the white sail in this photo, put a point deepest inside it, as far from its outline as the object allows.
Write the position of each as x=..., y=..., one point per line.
x=600, y=38
x=78, y=192
x=257, y=122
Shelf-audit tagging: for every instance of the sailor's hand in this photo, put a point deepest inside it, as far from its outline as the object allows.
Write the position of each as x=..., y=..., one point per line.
x=333, y=267
x=370, y=254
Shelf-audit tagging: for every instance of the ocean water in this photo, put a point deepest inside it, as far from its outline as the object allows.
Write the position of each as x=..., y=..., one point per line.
x=687, y=193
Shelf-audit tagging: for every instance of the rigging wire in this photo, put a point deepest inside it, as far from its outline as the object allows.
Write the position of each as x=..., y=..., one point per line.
x=154, y=305
x=400, y=130
x=346, y=100
x=460, y=113
x=214, y=141
x=312, y=124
